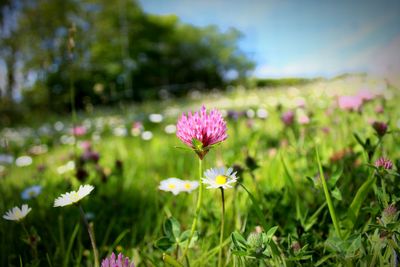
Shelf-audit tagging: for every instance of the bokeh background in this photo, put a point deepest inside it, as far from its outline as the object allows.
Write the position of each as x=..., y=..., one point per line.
x=126, y=51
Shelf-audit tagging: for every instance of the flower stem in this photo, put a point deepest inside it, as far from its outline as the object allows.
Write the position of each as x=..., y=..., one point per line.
x=197, y=212
x=221, y=237
x=328, y=197
x=91, y=236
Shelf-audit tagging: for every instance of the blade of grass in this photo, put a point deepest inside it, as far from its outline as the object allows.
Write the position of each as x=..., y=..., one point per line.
x=327, y=196
x=70, y=243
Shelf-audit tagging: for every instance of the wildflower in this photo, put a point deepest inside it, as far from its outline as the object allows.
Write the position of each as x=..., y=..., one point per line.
x=219, y=177
x=67, y=167
x=262, y=113
x=389, y=214
x=288, y=118
x=170, y=129
x=121, y=261
x=303, y=119
x=31, y=192
x=384, y=163
x=73, y=196
x=147, y=135
x=350, y=103
x=17, y=214
x=156, y=118
x=79, y=130
x=23, y=161
x=176, y=185
x=380, y=128
x=201, y=130
x=366, y=95
x=137, y=128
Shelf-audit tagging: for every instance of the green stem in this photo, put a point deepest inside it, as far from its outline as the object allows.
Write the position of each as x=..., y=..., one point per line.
x=91, y=236
x=328, y=197
x=221, y=237
x=197, y=212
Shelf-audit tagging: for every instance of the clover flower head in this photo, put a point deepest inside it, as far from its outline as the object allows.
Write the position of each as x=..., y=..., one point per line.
x=201, y=130
x=73, y=196
x=384, y=163
x=219, y=178
x=350, y=103
x=16, y=213
x=120, y=261
x=380, y=128
x=288, y=118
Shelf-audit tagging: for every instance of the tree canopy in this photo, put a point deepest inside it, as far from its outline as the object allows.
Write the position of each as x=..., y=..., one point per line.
x=112, y=50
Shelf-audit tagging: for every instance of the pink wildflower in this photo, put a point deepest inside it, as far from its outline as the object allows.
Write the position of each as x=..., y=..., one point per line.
x=288, y=118
x=79, y=130
x=112, y=261
x=384, y=163
x=366, y=95
x=304, y=119
x=380, y=128
x=201, y=130
x=351, y=103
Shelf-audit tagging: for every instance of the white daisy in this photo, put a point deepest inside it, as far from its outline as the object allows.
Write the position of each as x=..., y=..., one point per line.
x=73, y=196
x=219, y=177
x=189, y=186
x=173, y=185
x=17, y=214
x=176, y=185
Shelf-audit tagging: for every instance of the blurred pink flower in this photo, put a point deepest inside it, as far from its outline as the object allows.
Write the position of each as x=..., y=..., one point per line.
x=380, y=128
x=79, y=130
x=351, y=103
x=86, y=145
x=288, y=118
x=121, y=261
x=384, y=163
x=206, y=128
x=379, y=109
x=366, y=95
x=304, y=119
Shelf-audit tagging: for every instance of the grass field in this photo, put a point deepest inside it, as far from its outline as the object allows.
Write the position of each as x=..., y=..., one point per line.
x=296, y=212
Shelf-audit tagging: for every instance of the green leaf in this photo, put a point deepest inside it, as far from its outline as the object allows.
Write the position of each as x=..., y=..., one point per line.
x=357, y=137
x=336, y=193
x=170, y=261
x=355, y=206
x=185, y=236
x=238, y=241
x=257, y=208
x=335, y=177
x=197, y=144
x=164, y=243
x=271, y=232
x=172, y=228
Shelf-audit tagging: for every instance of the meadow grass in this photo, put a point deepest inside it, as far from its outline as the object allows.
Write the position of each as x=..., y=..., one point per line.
x=281, y=190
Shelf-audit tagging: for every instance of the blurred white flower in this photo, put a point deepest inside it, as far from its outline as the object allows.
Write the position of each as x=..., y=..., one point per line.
x=23, y=161
x=147, y=135
x=156, y=118
x=250, y=113
x=70, y=166
x=120, y=131
x=73, y=196
x=176, y=185
x=262, y=113
x=170, y=129
x=17, y=214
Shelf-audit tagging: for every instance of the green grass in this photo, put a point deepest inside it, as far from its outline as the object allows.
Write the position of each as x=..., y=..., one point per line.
x=283, y=191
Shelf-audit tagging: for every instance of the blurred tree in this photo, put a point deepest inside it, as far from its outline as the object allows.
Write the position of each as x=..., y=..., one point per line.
x=120, y=53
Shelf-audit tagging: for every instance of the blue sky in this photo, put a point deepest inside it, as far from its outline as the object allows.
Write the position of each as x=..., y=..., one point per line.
x=302, y=37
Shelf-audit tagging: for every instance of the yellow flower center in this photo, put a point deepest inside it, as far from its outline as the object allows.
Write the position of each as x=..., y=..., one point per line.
x=75, y=197
x=18, y=214
x=171, y=186
x=187, y=186
x=220, y=179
